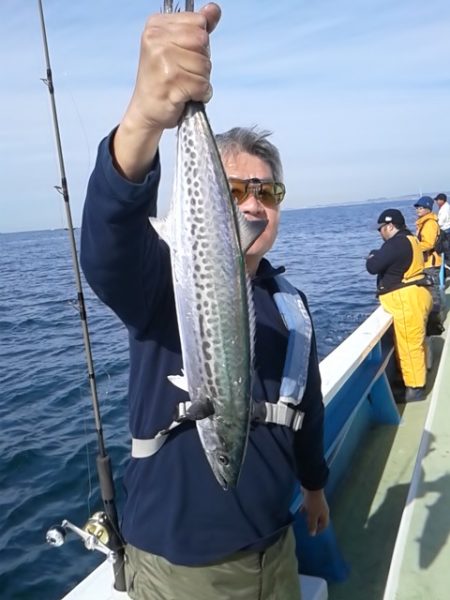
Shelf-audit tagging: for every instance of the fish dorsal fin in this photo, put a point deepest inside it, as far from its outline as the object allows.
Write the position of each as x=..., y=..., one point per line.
x=249, y=231
x=162, y=228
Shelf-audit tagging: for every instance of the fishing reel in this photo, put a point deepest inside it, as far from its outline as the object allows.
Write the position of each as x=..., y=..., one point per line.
x=96, y=534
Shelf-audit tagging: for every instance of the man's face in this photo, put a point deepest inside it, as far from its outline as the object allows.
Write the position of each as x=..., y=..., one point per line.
x=383, y=231
x=246, y=166
x=440, y=203
x=387, y=230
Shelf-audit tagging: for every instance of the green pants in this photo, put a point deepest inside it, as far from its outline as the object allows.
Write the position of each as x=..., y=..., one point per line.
x=269, y=575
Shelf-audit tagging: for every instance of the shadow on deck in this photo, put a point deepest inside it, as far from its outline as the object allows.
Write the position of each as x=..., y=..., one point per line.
x=369, y=502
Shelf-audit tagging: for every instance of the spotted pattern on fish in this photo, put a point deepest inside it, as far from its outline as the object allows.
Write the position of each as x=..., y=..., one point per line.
x=214, y=303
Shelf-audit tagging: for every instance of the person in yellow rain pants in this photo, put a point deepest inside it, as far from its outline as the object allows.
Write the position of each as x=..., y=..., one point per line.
x=404, y=292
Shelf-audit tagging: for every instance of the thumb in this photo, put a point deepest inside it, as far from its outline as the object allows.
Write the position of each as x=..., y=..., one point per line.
x=212, y=12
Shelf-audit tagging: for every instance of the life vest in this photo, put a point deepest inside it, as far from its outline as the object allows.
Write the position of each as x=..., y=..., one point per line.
x=286, y=411
x=414, y=273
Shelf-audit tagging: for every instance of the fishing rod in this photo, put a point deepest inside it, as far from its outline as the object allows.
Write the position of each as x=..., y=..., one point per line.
x=102, y=531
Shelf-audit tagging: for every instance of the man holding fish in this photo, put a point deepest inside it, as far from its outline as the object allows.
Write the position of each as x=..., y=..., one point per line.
x=226, y=411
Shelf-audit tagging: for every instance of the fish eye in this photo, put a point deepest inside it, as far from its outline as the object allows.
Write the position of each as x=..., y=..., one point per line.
x=223, y=460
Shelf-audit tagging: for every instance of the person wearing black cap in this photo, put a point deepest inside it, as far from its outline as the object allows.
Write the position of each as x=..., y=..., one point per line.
x=403, y=290
x=427, y=232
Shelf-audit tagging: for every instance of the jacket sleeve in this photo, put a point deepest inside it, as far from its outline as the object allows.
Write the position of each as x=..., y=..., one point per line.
x=312, y=469
x=378, y=261
x=122, y=257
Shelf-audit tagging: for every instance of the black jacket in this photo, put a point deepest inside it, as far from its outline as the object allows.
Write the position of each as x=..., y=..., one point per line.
x=391, y=262
x=174, y=506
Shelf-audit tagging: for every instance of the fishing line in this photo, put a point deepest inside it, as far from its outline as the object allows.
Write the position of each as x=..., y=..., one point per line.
x=82, y=127
x=88, y=431
x=103, y=461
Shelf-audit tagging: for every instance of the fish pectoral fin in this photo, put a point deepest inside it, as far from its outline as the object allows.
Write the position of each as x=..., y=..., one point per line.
x=249, y=231
x=179, y=381
x=200, y=410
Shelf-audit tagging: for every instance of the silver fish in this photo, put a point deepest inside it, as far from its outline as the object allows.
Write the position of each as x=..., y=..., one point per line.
x=208, y=237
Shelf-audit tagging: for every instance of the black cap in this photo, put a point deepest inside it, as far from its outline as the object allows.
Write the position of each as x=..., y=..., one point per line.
x=441, y=197
x=391, y=215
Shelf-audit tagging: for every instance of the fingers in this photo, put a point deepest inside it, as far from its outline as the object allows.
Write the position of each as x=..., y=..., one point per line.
x=317, y=512
x=312, y=525
x=320, y=524
x=315, y=526
x=174, y=65
x=174, y=68
x=186, y=31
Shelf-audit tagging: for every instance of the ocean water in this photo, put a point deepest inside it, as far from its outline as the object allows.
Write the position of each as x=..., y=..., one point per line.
x=48, y=442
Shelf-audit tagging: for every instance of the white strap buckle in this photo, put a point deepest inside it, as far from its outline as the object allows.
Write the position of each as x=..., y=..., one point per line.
x=281, y=414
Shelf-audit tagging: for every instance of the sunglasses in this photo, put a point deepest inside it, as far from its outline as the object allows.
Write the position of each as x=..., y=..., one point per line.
x=270, y=193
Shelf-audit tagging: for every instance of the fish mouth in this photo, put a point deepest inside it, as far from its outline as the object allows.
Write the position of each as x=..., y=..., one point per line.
x=225, y=476
x=226, y=481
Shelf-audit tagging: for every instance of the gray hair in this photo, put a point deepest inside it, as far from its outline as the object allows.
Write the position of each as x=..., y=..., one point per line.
x=252, y=141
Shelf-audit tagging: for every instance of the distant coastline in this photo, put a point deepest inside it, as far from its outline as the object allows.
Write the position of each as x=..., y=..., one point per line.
x=381, y=199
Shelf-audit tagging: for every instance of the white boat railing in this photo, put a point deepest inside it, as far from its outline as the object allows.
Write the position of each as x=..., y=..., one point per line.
x=342, y=362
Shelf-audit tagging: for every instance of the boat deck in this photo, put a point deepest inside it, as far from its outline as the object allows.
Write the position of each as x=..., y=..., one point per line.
x=393, y=484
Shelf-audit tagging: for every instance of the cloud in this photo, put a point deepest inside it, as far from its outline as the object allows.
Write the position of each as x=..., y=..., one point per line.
x=357, y=94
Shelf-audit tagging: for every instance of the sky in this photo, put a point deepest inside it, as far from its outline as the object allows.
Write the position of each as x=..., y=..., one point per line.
x=356, y=93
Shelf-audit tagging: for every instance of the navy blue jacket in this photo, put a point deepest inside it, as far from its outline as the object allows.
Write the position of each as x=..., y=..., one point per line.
x=174, y=506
